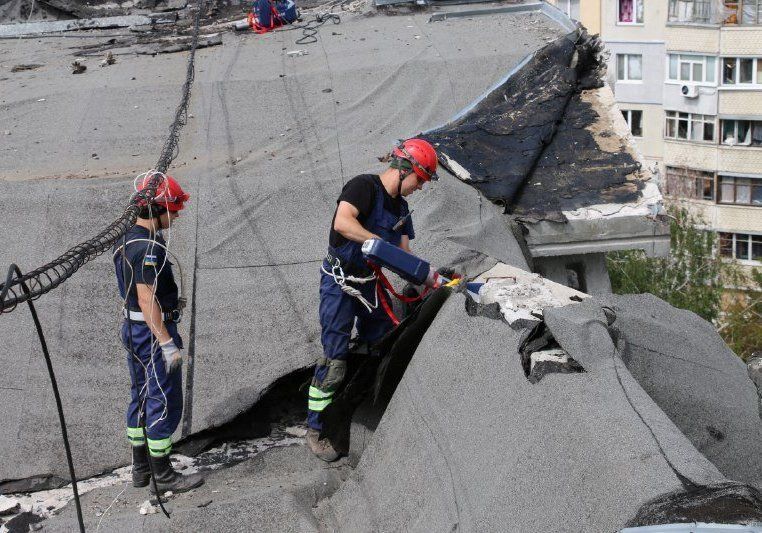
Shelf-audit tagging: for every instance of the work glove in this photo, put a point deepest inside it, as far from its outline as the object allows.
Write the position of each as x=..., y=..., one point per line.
x=173, y=359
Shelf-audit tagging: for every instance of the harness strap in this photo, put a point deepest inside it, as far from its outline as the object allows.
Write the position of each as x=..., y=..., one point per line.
x=381, y=294
x=387, y=284
x=275, y=20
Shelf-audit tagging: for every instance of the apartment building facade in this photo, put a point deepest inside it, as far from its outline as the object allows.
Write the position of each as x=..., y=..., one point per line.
x=687, y=75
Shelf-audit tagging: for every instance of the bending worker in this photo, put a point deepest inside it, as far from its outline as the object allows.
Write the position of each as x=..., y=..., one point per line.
x=149, y=334
x=369, y=207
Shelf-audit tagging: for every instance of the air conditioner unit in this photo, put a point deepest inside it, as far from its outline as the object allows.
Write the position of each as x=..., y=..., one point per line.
x=690, y=91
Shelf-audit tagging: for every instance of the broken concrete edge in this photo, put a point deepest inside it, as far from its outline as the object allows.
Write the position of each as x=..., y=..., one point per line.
x=518, y=296
x=547, y=238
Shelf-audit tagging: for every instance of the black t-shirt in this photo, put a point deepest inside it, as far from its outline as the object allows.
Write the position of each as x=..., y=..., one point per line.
x=147, y=263
x=360, y=191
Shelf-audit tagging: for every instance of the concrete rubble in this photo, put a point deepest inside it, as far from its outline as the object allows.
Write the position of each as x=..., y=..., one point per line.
x=536, y=408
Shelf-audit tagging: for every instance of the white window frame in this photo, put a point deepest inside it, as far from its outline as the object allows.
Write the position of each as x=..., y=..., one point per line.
x=627, y=78
x=635, y=14
x=692, y=59
x=627, y=113
x=755, y=81
x=692, y=118
x=735, y=141
x=673, y=12
x=734, y=239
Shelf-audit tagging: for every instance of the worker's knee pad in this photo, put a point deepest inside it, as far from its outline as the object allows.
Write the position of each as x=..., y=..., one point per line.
x=333, y=377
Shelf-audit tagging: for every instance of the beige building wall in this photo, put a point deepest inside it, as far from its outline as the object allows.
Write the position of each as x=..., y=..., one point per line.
x=590, y=15
x=741, y=40
x=740, y=159
x=690, y=155
x=741, y=102
x=731, y=40
x=691, y=38
x=738, y=219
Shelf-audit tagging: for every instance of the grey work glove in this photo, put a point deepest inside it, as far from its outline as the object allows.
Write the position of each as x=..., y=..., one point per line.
x=173, y=359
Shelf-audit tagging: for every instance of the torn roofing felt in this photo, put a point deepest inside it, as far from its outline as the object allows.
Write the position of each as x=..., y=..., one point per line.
x=532, y=145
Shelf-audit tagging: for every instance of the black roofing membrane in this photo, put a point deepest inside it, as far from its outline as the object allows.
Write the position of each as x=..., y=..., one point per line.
x=526, y=145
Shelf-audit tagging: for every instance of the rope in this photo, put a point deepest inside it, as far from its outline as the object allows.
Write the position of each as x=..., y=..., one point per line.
x=337, y=273
x=49, y=276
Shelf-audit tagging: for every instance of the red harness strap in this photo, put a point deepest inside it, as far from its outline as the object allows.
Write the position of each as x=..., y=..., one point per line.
x=382, y=297
x=275, y=21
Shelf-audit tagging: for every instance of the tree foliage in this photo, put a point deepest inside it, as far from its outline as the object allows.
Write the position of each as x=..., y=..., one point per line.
x=696, y=278
x=741, y=321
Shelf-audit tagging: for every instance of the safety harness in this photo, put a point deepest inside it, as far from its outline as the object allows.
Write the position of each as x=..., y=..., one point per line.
x=382, y=282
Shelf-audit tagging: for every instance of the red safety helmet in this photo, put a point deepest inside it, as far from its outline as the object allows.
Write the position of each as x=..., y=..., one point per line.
x=421, y=156
x=169, y=194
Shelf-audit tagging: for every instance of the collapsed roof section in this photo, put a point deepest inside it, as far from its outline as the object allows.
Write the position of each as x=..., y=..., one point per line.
x=549, y=144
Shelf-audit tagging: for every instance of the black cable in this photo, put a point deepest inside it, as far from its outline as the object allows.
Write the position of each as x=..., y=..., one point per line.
x=310, y=28
x=51, y=275
x=15, y=269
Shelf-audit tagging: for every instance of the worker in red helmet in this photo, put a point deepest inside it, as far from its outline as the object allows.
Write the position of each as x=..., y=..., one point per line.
x=370, y=207
x=152, y=310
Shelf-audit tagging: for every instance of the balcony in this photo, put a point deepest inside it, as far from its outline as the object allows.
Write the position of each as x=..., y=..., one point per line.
x=715, y=12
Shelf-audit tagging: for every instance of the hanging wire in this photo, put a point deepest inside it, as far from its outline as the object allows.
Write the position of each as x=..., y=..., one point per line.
x=15, y=270
x=19, y=287
x=49, y=276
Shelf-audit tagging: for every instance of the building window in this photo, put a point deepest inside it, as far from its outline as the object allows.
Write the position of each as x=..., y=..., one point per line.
x=699, y=69
x=741, y=132
x=629, y=67
x=741, y=70
x=634, y=119
x=741, y=246
x=689, y=126
x=695, y=11
x=688, y=183
x=752, y=12
x=741, y=191
x=742, y=12
x=630, y=11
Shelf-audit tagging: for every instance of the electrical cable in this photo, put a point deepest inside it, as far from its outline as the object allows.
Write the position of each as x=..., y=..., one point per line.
x=310, y=28
x=43, y=344
x=49, y=276
x=19, y=287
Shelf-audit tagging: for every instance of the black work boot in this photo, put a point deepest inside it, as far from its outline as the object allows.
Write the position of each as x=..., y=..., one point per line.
x=141, y=472
x=167, y=478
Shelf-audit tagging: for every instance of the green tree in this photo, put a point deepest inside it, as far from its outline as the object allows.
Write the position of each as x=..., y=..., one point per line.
x=696, y=278
x=689, y=278
x=741, y=320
